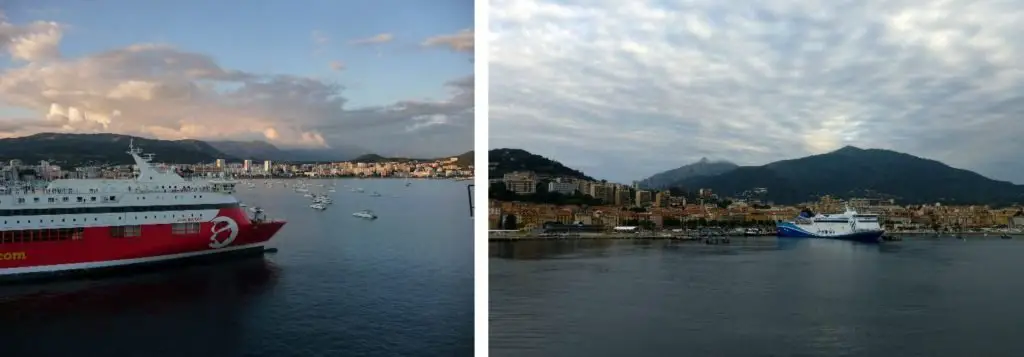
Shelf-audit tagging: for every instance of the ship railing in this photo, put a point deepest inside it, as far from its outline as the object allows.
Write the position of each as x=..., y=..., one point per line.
x=22, y=191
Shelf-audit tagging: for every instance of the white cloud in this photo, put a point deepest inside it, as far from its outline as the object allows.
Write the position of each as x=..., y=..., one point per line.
x=461, y=41
x=626, y=89
x=157, y=90
x=32, y=42
x=375, y=39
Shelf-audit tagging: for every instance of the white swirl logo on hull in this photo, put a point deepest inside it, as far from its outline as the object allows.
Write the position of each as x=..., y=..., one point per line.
x=229, y=225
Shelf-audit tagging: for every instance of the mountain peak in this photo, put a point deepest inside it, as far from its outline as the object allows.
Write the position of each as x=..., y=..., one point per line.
x=507, y=160
x=871, y=173
x=703, y=167
x=849, y=148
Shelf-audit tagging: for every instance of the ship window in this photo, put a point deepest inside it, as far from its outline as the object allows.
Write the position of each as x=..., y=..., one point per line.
x=21, y=200
x=125, y=231
x=92, y=198
x=80, y=199
x=51, y=200
x=184, y=228
x=65, y=199
x=112, y=198
x=133, y=231
x=35, y=199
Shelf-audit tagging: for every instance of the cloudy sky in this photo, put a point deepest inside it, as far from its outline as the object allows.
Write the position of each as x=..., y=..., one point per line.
x=391, y=76
x=625, y=89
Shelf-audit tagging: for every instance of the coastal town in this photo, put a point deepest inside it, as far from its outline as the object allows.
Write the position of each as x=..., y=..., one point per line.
x=612, y=205
x=448, y=168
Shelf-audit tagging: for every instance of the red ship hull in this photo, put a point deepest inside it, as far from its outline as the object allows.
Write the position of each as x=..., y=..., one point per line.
x=94, y=248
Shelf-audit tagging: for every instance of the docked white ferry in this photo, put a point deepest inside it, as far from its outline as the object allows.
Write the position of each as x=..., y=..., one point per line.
x=158, y=216
x=848, y=225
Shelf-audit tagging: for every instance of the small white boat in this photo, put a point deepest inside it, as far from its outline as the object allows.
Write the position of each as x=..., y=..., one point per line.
x=319, y=206
x=374, y=194
x=365, y=214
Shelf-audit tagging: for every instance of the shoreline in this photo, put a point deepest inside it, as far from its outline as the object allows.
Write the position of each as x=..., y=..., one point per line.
x=664, y=236
x=354, y=177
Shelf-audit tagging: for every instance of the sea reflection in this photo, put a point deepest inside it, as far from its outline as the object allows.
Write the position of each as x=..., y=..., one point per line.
x=238, y=278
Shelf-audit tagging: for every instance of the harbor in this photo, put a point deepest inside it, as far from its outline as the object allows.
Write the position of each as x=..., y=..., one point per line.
x=696, y=236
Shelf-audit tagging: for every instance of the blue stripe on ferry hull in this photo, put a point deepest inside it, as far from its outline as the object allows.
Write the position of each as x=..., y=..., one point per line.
x=792, y=231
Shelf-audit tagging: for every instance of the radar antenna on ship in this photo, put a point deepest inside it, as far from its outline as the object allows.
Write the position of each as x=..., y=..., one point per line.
x=132, y=150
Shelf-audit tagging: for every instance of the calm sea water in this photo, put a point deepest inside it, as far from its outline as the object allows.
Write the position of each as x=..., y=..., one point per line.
x=757, y=297
x=339, y=286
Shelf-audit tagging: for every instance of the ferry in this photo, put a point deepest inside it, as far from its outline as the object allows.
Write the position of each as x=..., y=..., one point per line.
x=848, y=225
x=76, y=225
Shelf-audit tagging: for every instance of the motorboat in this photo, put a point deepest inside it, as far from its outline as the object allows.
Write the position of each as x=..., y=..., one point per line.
x=318, y=206
x=365, y=214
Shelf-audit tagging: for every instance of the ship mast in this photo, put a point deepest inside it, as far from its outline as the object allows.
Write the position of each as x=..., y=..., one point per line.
x=146, y=170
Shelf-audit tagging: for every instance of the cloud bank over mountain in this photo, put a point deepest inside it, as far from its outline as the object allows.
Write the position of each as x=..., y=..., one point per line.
x=626, y=89
x=162, y=91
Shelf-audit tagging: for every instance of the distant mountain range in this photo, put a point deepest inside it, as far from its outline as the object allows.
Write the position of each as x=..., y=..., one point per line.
x=844, y=173
x=464, y=160
x=855, y=172
x=261, y=150
x=704, y=167
x=503, y=161
x=89, y=149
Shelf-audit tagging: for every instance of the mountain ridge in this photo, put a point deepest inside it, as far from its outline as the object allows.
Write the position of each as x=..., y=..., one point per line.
x=464, y=159
x=506, y=160
x=262, y=150
x=108, y=148
x=852, y=171
x=702, y=167
x=103, y=148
